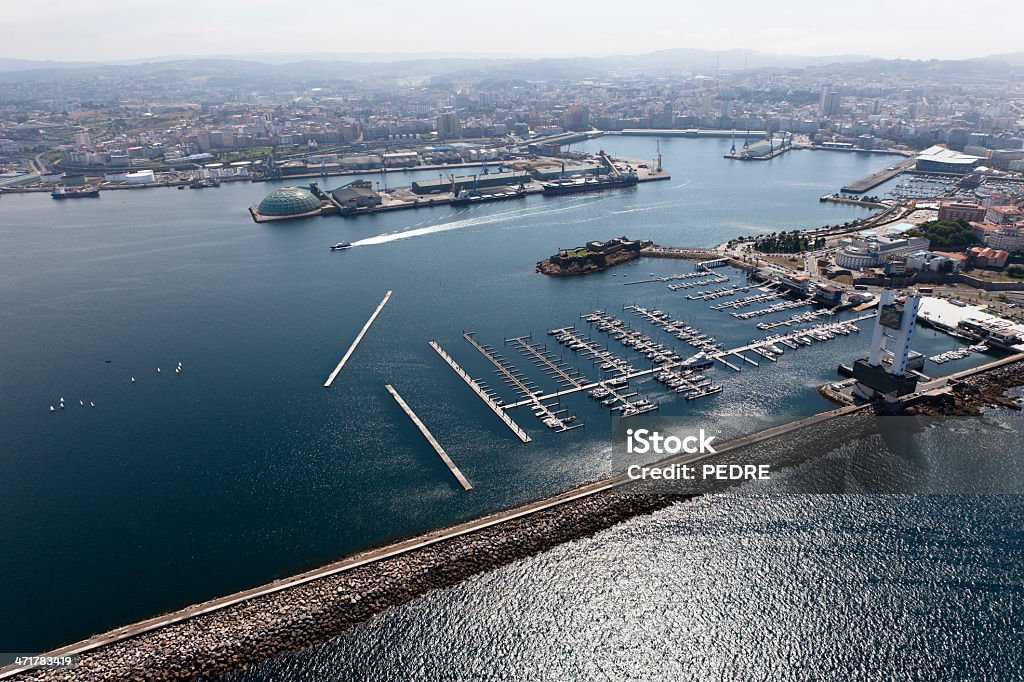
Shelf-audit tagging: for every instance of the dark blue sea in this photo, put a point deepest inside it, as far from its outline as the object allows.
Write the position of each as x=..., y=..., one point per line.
x=242, y=468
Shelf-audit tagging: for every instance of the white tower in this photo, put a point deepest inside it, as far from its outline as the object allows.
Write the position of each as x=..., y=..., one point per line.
x=894, y=327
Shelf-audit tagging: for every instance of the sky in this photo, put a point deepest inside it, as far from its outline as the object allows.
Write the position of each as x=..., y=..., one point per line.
x=105, y=30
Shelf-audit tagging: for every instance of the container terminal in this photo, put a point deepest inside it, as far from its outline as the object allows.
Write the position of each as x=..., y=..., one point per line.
x=514, y=180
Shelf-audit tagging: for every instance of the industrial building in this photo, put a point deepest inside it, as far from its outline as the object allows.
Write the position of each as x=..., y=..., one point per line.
x=470, y=182
x=352, y=196
x=938, y=159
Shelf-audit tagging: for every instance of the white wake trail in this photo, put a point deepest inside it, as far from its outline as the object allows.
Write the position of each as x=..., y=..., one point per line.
x=490, y=219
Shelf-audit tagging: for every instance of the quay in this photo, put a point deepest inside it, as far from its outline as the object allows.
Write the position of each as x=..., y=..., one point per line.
x=688, y=132
x=672, y=278
x=537, y=175
x=482, y=394
x=711, y=278
x=876, y=179
x=684, y=253
x=430, y=437
x=763, y=150
x=850, y=201
x=352, y=348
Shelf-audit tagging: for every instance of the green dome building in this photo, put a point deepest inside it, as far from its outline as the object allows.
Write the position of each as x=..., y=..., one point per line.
x=288, y=201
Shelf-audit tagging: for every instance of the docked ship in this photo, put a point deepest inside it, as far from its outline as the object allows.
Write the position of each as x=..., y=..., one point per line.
x=590, y=184
x=81, y=193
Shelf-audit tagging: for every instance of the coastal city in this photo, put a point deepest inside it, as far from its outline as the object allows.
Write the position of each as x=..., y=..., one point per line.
x=309, y=352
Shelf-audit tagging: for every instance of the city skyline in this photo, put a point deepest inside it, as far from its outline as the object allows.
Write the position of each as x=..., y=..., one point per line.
x=62, y=31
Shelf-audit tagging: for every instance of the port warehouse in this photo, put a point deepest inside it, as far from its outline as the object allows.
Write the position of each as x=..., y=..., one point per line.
x=484, y=180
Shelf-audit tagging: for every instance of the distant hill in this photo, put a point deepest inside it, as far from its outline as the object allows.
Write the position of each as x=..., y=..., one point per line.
x=270, y=68
x=740, y=59
x=34, y=64
x=1012, y=58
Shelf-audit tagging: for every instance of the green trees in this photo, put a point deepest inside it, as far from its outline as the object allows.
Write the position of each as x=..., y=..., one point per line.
x=1015, y=271
x=783, y=242
x=945, y=234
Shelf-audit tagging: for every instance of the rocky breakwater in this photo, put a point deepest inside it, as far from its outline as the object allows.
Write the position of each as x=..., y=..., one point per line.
x=593, y=257
x=970, y=395
x=213, y=643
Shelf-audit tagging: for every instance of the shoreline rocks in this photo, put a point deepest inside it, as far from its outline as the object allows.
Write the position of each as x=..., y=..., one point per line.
x=313, y=612
x=594, y=257
x=973, y=394
x=216, y=643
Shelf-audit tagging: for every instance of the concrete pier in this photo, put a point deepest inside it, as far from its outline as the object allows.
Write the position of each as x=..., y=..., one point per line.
x=876, y=179
x=495, y=407
x=430, y=438
x=352, y=348
x=726, y=363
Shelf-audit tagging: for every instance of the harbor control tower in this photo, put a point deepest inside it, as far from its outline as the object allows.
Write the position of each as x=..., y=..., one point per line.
x=883, y=374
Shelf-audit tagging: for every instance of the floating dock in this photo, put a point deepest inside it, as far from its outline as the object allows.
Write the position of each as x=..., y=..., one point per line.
x=466, y=485
x=525, y=387
x=720, y=355
x=482, y=394
x=352, y=348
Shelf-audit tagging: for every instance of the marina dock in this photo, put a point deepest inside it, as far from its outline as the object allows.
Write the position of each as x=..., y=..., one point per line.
x=466, y=485
x=526, y=388
x=793, y=340
x=482, y=394
x=359, y=337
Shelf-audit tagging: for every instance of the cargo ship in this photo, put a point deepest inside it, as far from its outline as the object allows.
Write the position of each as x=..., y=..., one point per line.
x=81, y=193
x=571, y=186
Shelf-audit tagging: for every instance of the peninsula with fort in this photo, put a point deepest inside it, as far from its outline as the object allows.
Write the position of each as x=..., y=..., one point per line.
x=593, y=257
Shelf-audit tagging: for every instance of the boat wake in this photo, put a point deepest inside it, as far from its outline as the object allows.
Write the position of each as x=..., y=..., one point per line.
x=489, y=219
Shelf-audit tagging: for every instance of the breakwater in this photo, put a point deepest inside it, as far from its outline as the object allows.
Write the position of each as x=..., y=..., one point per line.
x=224, y=634
x=313, y=612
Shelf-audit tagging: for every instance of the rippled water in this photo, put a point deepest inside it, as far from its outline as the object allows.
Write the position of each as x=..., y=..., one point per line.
x=730, y=587
x=754, y=585
x=242, y=469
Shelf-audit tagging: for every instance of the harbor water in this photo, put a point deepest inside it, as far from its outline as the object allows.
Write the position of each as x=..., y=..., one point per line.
x=176, y=487
x=759, y=584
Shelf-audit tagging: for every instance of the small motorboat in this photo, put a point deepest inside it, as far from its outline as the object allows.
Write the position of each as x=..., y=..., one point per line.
x=341, y=246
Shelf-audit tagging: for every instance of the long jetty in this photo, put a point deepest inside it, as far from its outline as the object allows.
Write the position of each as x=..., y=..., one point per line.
x=491, y=403
x=466, y=485
x=876, y=179
x=352, y=348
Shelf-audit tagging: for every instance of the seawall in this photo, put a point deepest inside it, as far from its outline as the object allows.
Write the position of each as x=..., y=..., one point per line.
x=223, y=634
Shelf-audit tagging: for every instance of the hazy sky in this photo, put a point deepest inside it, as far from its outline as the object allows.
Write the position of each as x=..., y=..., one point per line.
x=119, y=29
